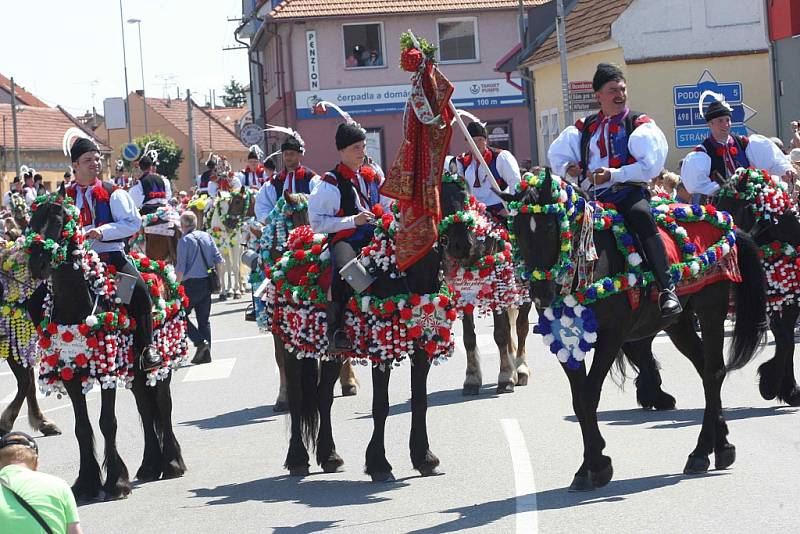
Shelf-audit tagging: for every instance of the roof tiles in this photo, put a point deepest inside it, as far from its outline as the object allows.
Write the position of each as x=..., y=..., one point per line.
x=292, y=9
x=23, y=97
x=40, y=128
x=209, y=132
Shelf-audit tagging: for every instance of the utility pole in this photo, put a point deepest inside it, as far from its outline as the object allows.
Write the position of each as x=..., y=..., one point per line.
x=192, y=156
x=14, y=123
x=562, y=50
x=125, y=66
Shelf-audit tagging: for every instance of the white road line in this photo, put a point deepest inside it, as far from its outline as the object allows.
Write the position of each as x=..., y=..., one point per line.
x=525, y=497
x=215, y=370
x=239, y=339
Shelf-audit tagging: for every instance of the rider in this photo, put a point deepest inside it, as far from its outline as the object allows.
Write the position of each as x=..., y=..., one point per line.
x=612, y=156
x=502, y=164
x=222, y=179
x=109, y=218
x=151, y=190
x=119, y=179
x=341, y=206
x=254, y=175
x=205, y=179
x=718, y=157
x=294, y=178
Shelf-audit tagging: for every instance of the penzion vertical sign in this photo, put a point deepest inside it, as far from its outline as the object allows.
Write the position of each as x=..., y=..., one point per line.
x=313, y=60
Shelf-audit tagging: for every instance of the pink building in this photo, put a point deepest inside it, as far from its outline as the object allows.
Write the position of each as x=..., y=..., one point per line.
x=347, y=52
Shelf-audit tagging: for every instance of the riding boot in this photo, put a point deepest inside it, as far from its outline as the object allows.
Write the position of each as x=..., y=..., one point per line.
x=657, y=257
x=150, y=359
x=338, y=341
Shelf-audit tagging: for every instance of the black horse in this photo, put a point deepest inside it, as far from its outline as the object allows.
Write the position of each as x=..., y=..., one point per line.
x=539, y=242
x=73, y=302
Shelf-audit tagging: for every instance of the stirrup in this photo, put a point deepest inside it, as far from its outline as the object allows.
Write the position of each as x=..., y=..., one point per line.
x=668, y=303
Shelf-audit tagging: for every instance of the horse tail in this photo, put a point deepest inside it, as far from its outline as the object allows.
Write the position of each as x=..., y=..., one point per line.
x=309, y=405
x=750, y=331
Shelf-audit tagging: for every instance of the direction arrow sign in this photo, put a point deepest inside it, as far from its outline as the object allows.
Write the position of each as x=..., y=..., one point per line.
x=131, y=151
x=689, y=95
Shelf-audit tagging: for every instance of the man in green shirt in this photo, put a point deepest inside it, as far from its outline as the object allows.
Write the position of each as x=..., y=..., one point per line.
x=49, y=496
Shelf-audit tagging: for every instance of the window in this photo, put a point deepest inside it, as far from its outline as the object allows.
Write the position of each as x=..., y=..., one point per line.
x=458, y=40
x=549, y=128
x=363, y=45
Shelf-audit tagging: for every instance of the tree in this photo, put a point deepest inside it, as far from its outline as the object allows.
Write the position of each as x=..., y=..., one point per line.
x=170, y=155
x=235, y=96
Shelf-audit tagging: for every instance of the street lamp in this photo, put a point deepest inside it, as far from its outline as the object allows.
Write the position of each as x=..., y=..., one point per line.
x=138, y=23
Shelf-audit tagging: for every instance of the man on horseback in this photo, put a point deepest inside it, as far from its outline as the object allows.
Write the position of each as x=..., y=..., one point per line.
x=152, y=190
x=341, y=206
x=109, y=218
x=717, y=158
x=204, y=179
x=502, y=163
x=254, y=175
x=294, y=178
x=612, y=156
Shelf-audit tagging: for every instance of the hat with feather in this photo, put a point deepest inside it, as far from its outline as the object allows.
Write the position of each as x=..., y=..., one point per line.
x=349, y=132
x=76, y=143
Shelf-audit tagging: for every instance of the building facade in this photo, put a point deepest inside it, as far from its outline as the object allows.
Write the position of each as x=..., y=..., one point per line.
x=784, y=34
x=348, y=53
x=670, y=52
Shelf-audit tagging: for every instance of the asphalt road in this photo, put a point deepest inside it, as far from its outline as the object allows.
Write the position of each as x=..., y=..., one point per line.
x=506, y=459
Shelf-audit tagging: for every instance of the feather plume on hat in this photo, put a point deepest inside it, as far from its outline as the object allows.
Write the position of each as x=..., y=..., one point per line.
x=70, y=136
x=290, y=133
x=255, y=150
x=470, y=116
x=717, y=97
x=323, y=105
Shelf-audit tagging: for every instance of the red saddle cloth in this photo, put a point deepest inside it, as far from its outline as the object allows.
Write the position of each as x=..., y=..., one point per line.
x=703, y=235
x=296, y=276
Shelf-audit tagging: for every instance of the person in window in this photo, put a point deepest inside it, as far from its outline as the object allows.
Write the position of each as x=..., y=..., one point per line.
x=354, y=59
x=374, y=60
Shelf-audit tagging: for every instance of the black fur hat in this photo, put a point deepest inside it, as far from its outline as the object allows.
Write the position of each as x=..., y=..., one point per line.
x=476, y=129
x=606, y=72
x=349, y=133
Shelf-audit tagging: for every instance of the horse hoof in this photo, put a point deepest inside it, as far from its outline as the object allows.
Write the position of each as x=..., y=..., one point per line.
x=48, y=428
x=602, y=477
x=791, y=397
x=429, y=469
x=281, y=407
x=383, y=476
x=147, y=474
x=223, y=297
x=505, y=387
x=767, y=384
x=696, y=465
x=581, y=483
x=522, y=380
x=471, y=389
x=349, y=390
x=333, y=465
x=724, y=456
x=664, y=401
x=119, y=490
x=300, y=471
x=173, y=469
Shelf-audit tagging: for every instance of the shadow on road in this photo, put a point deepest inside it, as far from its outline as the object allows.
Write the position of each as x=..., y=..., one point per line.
x=442, y=398
x=680, y=418
x=307, y=528
x=229, y=311
x=315, y=491
x=243, y=417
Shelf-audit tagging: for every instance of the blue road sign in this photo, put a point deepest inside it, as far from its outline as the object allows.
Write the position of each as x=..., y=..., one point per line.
x=131, y=151
x=689, y=95
x=693, y=136
x=690, y=116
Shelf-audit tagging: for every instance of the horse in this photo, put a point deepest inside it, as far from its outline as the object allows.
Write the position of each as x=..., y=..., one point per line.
x=162, y=231
x=18, y=339
x=476, y=252
x=80, y=315
x=548, y=213
x=228, y=214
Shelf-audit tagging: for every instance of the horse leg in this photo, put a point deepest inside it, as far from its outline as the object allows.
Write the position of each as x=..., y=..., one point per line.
x=713, y=434
x=327, y=457
x=789, y=391
x=772, y=372
x=88, y=483
x=36, y=418
x=474, y=378
x=422, y=458
x=24, y=383
x=577, y=379
x=281, y=404
x=238, y=287
x=172, y=465
x=150, y=469
x=522, y=328
x=649, y=394
x=502, y=333
x=377, y=466
x=347, y=379
x=301, y=387
x=117, y=481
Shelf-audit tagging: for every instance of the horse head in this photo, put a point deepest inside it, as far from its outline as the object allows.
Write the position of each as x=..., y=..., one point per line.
x=733, y=197
x=52, y=233
x=296, y=208
x=459, y=243
x=540, y=211
x=238, y=206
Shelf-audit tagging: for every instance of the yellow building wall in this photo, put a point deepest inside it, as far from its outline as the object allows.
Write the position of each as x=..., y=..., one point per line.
x=650, y=89
x=50, y=164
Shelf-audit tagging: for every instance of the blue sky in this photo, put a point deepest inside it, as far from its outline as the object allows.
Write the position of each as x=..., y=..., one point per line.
x=63, y=52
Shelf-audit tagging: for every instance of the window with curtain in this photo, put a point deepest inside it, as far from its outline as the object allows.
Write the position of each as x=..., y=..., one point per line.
x=458, y=39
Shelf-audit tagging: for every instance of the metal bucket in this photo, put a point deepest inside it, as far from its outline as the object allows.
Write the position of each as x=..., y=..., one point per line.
x=250, y=259
x=355, y=274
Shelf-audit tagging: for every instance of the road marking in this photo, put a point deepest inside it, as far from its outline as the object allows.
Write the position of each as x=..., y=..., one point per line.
x=215, y=370
x=239, y=339
x=525, y=497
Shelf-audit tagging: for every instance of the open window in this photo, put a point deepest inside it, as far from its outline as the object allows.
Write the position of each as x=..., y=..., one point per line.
x=363, y=45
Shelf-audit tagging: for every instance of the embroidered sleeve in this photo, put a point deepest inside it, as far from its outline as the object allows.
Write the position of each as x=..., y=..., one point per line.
x=763, y=154
x=695, y=174
x=648, y=145
x=126, y=217
x=323, y=205
x=565, y=150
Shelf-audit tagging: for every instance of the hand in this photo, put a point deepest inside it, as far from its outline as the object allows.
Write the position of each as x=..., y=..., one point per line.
x=364, y=217
x=94, y=233
x=601, y=176
x=574, y=170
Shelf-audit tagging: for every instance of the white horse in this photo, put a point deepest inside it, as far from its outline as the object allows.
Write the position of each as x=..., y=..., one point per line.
x=227, y=216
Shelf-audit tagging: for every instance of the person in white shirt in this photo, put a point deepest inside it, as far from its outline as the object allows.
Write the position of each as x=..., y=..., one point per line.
x=341, y=206
x=254, y=175
x=612, y=156
x=294, y=178
x=16, y=187
x=718, y=157
x=501, y=163
x=151, y=190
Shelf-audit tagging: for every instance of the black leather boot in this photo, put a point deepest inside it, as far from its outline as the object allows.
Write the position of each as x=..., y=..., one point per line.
x=150, y=359
x=338, y=341
x=657, y=258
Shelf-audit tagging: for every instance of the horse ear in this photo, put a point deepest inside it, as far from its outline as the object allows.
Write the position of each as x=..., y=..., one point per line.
x=287, y=196
x=242, y=190
x=62, y=190
x=509, y=197
x=547, y=187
